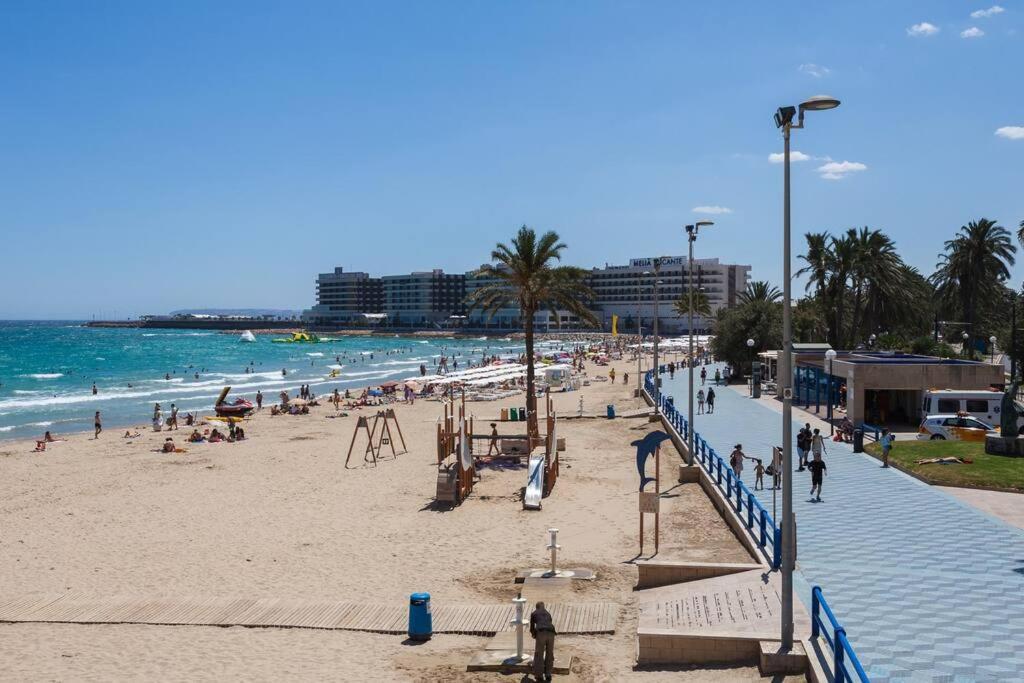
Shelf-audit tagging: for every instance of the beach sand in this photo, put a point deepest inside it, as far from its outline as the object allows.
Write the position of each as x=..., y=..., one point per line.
x=278, y=516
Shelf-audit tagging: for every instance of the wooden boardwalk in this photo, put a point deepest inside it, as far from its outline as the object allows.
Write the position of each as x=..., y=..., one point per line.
x=69, y=608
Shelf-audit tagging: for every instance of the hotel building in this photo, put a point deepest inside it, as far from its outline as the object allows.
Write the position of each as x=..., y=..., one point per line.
x=435, y=299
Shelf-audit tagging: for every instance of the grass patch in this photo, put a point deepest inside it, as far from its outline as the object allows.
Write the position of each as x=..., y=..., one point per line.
x=987, y=471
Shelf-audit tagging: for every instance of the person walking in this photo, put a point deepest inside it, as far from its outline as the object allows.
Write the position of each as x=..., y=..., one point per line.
x=173, y=423
x=817, y=444
x=803, y=446
x=886, y=443
x=493, y=448
x=736, y=460
x=703, y=375
x=776, y=467
x=542, y=628
x=818, y=470
x=259, y=400
x=700, y=401
x=97, y=425
x=758, y=474
x=718, y=377
x=711, y=400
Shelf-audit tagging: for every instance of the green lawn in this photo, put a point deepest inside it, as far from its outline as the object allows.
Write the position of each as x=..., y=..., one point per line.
x=987, y=471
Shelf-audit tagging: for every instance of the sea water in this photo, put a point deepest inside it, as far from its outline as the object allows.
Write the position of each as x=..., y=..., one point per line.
x=47, y=370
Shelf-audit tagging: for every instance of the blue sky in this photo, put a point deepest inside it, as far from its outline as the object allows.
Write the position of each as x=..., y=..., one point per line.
x=168, y=155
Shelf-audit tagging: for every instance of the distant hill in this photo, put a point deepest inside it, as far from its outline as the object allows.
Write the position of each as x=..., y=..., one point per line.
x=249, y=312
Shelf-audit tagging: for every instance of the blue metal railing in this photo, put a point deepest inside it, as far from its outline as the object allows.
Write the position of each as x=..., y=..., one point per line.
x=844, y=658
x=748, y=508
x=871, y=430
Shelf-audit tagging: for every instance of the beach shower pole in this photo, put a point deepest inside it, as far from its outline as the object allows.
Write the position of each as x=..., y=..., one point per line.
x=784, y=121
x=519, y=601
x=691, y=236
x=553, y=547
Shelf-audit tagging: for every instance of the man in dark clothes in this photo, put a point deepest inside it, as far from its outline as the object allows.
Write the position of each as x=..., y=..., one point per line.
x=542, y=628
x=817, y=468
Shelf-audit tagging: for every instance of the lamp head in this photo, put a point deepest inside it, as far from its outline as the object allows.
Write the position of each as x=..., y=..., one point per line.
x=830, y=354
x=819, y=103
x=704, y=224
x=992, y=339
x=750, y=343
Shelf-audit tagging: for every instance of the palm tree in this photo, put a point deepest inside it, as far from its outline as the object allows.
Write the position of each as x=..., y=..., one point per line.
x=525, y=276
x=818, y=259
x=760, y=290
x=701, y=305
x=1020, y=233
x=974, y=266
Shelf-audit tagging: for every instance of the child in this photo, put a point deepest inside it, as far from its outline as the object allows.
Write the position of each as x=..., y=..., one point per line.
x=818, y=470
x=886, y=443
x=759, y=474
x=494, y=439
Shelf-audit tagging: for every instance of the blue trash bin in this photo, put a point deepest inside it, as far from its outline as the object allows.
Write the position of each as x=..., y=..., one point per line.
x=611, y=411
x=421, y=623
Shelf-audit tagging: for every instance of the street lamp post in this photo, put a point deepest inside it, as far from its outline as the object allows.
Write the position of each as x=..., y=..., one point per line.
x=691, y=237
x=830, y=356
x=657, y=377
x=750, y=345
x=784, y=120
x=992, y=342
x=966, y=337
x=639, y=336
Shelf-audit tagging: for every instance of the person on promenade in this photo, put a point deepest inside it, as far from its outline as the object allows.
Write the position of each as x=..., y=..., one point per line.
x=736, y=460
x=97, y=425
x=711, y=400
x=703, y=375
x=776, y=467
x=542, y=628
x=758, y=474
x=818, y=470
x=718, y=377
x=671, y=370
x=803, y=446
x=886, y=443
x=817, y=444
x=700, y=401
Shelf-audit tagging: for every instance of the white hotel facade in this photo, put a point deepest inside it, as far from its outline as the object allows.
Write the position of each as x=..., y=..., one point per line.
x=437, y=299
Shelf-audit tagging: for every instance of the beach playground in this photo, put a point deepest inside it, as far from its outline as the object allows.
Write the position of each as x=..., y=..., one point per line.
x=276, y=530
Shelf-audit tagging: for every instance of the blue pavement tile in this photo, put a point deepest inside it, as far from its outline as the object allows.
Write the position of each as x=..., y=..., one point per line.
x=920, y=581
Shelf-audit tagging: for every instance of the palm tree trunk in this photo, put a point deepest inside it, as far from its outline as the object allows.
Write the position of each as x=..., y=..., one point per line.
x=531, y=392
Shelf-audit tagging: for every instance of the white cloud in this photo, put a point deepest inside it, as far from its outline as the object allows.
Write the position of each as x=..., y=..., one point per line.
x=714, y=210
x=837, y=170
x=922, y=29
x=972, y=32
x=986, y=13
x=1011, y=132
x=794, y=155
x=816, y=70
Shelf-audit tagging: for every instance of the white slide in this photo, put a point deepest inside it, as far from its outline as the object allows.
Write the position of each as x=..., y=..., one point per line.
x=534, y=483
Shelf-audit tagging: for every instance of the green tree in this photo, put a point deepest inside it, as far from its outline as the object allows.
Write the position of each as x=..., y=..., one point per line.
x=701, y=305
x=758, y=320
x=526, y=275
x=760, y=290
x=973, y=268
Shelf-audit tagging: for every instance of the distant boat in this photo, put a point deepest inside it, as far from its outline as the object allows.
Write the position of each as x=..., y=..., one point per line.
x=247, y=336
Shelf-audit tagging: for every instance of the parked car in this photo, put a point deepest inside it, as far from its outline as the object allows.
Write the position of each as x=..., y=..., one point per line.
x=980, y=403
x=954, y=428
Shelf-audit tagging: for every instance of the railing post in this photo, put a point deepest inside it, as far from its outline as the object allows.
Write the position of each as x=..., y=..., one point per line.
x=777, y=549
x=815, y=608
x=838, y=665
x=764, y=528
x=750, y=510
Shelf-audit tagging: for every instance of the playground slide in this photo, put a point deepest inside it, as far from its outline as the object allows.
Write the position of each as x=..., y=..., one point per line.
x=534, y=483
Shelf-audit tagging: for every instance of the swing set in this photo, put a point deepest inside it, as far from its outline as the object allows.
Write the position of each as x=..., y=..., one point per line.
x=376, y=438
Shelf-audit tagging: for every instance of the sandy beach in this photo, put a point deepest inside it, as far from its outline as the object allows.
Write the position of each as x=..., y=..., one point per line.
x=279, y=516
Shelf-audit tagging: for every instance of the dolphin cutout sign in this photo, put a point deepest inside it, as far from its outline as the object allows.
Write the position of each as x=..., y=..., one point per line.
x=645, y=448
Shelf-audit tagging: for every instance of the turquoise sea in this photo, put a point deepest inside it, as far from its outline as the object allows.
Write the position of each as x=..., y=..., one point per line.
x=47, y=370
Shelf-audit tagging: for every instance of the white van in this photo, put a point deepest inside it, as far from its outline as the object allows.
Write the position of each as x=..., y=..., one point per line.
x=982, y=403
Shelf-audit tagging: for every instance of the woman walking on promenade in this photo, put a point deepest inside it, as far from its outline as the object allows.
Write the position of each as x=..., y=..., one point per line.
x=736, y=460
x=700, y=401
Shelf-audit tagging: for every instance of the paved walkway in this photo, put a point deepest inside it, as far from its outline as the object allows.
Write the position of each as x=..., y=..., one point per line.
x=928, y=588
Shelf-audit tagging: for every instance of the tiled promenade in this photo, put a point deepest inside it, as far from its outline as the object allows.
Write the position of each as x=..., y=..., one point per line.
x=928, y=588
